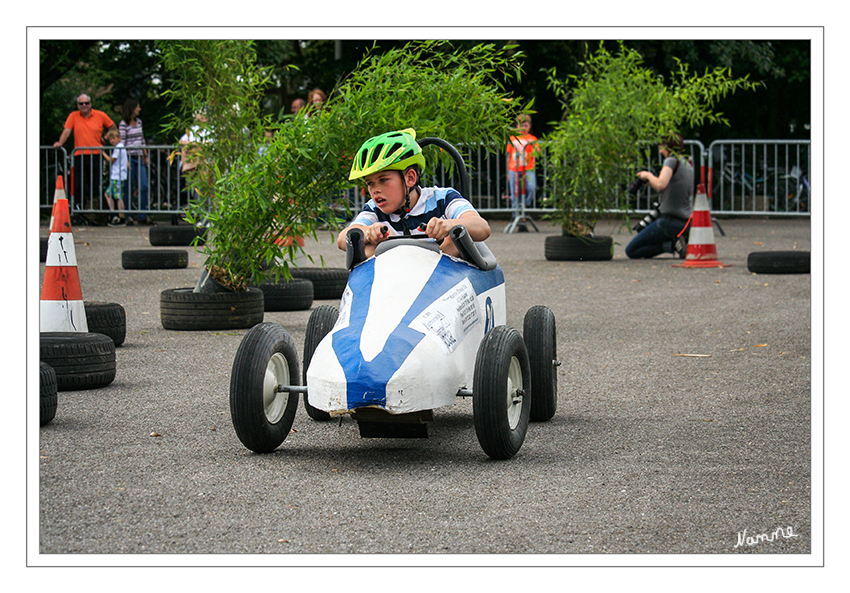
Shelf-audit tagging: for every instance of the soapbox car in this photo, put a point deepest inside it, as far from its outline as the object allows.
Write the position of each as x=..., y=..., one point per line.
x=415, y=329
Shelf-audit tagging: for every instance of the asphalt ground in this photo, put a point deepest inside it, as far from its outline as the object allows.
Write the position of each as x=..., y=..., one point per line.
x=684, y=426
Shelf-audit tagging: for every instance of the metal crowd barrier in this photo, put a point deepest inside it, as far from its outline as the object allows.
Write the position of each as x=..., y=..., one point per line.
x=743, y=177
x=160, y=188
x=764, y=177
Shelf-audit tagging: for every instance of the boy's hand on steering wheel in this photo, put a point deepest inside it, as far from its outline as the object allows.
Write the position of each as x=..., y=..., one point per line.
x=438, y=228
x=376, y=233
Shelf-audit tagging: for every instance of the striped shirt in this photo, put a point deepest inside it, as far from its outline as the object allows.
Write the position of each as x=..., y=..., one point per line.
x=433, y=202
x=132, y=136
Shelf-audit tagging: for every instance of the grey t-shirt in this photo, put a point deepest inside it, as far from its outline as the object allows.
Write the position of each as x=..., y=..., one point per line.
x=677, y=198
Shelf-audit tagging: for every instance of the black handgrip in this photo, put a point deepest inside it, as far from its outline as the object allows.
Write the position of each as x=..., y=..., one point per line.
x=355, y=248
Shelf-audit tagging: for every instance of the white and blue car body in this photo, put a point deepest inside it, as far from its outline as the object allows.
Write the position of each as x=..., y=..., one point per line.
x=409, y=326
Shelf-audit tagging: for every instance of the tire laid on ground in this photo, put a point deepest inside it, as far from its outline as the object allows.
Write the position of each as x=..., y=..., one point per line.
x=175, y=234
x=321, y=322
x=184, y=309
x=573, y=248
x=541, y=341
x=780, y=262
x=295, y=294
x=108, y=319
x=328, y=283
x=80, y=360
x=261, y=415
x=154, y=259
x=48, y=393
x=500, y=405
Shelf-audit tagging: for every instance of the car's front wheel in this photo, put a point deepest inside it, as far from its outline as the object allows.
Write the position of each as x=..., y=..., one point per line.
x=261, y=413
x=501, y=399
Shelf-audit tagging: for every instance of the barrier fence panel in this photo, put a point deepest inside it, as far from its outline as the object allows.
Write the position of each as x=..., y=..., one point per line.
x=52, y=162
x=764, y=177
x=153, y=187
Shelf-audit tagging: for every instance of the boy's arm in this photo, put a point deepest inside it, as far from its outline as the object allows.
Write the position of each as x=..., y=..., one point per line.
x=476, y=226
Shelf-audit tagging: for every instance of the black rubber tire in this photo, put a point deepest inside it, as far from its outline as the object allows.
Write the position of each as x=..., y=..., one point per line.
x=572, y=248
x=48, y=393
x=184, y=309
x=501, y=354
x=540, y=337
x=295, y=294
x=265, y=358
x=780, y=262
x=108, y=319
x=321, y=322
x=176, y=234
x=80, y=360
x=328, y=283
x=154, y=259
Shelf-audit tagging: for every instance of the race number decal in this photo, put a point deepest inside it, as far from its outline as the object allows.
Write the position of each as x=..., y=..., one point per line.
x=448, y=319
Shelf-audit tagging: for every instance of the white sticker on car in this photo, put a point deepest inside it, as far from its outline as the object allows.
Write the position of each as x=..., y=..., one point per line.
x=451, y=317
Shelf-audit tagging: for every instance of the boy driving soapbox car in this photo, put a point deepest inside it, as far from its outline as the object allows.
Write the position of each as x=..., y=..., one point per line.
x=415, y=329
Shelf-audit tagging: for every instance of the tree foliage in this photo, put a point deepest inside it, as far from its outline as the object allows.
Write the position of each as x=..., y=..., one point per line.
x=615, y=108
x=263, y=202
x=113, y=70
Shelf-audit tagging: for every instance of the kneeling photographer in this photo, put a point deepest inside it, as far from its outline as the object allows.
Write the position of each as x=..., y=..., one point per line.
x=675, y=184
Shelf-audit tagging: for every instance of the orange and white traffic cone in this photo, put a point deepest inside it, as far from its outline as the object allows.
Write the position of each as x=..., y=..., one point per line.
x=702, y=251
x=62, y=308
x=58, y=194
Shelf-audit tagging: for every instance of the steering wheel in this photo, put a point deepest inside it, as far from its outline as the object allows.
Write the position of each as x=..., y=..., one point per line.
x=421, y=227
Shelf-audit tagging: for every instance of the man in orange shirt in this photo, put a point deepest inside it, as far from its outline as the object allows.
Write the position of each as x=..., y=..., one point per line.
x=88, y=126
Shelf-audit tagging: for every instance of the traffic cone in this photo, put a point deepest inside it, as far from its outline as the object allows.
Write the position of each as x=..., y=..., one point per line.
x=62, y=307
x=58, y=194
x=702, y=252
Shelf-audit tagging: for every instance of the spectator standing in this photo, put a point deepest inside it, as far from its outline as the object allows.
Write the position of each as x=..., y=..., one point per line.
x=316, y=99
x=521, y=175
x=297, y=105
x=117, y=178
x=88, y=127
x=130, y=127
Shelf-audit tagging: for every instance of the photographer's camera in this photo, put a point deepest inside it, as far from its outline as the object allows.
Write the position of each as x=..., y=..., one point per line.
x=651, y=216
x=635, y=186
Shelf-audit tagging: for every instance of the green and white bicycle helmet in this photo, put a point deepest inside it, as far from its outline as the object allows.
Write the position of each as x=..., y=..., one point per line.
x=393, y=150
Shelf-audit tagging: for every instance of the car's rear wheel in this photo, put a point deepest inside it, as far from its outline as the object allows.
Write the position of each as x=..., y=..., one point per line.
x=261, y=414
x=322, y=321
x=501, y=404
x=541, y=341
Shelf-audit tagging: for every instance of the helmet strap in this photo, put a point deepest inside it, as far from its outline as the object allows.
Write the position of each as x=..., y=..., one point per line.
x=404, y=210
